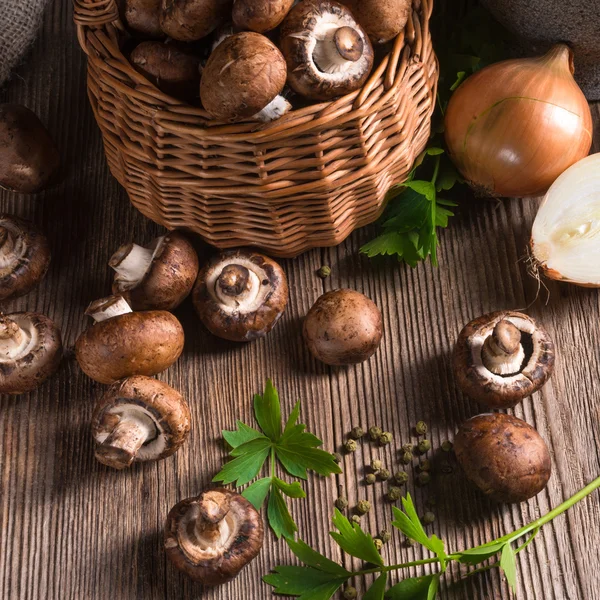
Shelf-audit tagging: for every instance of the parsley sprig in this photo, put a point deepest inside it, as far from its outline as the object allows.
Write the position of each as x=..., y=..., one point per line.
x=319, y=578
x=290, y=446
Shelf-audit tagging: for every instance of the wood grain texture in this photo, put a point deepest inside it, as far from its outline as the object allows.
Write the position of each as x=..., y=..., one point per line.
x=71, y=529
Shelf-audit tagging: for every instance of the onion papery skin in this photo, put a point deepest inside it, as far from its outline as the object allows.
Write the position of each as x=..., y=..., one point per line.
x=565, y=240
x=514, y=127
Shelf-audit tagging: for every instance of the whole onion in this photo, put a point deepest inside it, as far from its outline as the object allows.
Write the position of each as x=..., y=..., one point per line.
x=514, y=127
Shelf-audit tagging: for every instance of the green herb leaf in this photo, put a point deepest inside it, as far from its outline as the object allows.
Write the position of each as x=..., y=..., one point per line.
x=313, y=559
x=256, y=493
x=305, y=582
x=292, y=419
x=412, y=588
x=475, y=556
x=242, y=435
x=292, y=490
x=267, y=410
x=251, y=457
x=353, y=540
x=433, y=587
x=377, y=589
x=508, y=564
x=280, y=519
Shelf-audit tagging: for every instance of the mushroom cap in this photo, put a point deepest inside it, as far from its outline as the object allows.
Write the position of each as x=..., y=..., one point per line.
x=260, y=15
x=190, y=20
x=172, y=69
x=503, y=456
x=150, y=399
x=240, y=536
x=168, y=281
x=24, y=256
x=306, y=24
x=343, y=327
x=29, y=158
x=243, y=75
x=498, y=391
x=383, y=20
x=252, y=316
x=137, y=343
x=37, y=358
x=143, y=16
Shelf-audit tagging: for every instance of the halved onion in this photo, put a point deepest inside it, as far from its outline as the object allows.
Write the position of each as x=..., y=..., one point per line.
x=566, y=232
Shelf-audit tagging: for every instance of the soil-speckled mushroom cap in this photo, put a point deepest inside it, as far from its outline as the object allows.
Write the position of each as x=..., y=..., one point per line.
x=24, y=256
x=498, y=391
x=137, y=343
x=343, y=327
x=235, y=535
x=32, y=356
x=243, y=75
x=190, y=20
x=503, y=456
x=260, y=15
x=144, y=399
x=383, y=20
x=240, y=295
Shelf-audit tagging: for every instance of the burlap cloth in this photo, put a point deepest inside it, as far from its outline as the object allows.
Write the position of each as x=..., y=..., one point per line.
x=19, y=24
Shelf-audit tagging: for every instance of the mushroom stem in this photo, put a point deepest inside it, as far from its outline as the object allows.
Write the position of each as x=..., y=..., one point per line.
x=236, y=284
x=7, y=247
x=107, y=308
x=336, y=47
x=213, y=508
x=131, y=262
x=12, y=338
x=121, y=446
x=502, y=352
x=278, y=107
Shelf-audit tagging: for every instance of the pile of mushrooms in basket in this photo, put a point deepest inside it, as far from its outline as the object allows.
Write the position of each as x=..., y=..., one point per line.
x=257, y=59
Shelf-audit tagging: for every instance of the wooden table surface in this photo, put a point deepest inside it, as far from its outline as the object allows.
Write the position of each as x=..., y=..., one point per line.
x=73, y=529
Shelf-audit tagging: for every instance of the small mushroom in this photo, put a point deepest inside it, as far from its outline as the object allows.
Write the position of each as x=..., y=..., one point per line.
x=383, y=20
x=211, y=538
x=503, y=456
x=328, y=53
x=240, y=295
x=159, y=276
x=143, y=16
x=123, y=343
x=139, y=419
x=29, y=158
x=503, y=357
x=245, y=73
x=260, y=15
x=30, y=351
x=190, y=20
x=24, y=257
x=343, y=327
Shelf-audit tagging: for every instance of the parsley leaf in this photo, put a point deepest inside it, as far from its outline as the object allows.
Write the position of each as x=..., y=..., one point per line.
x=508, y=563
x=305, y=582
x=413, y=588
x=377, y=589
x=353, y=540
x=313, y=559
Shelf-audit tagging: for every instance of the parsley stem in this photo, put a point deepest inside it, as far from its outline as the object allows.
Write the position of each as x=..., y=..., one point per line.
x=272, y=463
x=414, y=563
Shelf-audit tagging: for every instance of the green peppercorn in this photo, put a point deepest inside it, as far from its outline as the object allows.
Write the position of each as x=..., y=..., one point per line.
x=378, y=544
x=350, y=593
x=407, y=448
x=376, y=466
x=324, y=272
x=355, y=519
x=421, y=428
x=401, y=477
x=423, y=478
x=374, y=433
x=394, y=494
x=447, y=446
x=424, y=465
x=424, y=446
x=357, y=433
x=408, y=542
x=363, y=507
x=350, y=446
x=341, y=503
x=446, y=467
x=406, y=458
x=428, y=518
x=370, y=479
x=386, y=438
x=384, y=474
x=385, y=536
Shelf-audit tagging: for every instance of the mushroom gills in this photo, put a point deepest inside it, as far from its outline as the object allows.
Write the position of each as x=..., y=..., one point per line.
x=17, y=338
x=132, y=262
x=12, y=248
x=107, y=308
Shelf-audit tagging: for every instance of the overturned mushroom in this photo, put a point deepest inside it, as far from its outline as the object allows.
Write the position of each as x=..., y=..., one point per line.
x=211, y=538
x=240, y=295
x=190, y=20
x=343, y=327
x=244, y=78
x=260, y=15
x=503, y=357
x=159, y=276
x=24, y=256
x=123, y=343
x=139, y=419
x=30, y=351
x=328, y=53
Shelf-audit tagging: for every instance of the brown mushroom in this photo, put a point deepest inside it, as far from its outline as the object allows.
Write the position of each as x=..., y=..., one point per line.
x=159, y=276
x=211, y=538
x=143, y=16
x=29, y=158
x=383, y=20
x=328, y=53
x=503, y=456
x=343, y=327
x=260, y=15
x=24, y=257
x=139, y=419
x=30, y=351
x=123, y=343
x=503, y=357
x=190, y=20
x=240, y=295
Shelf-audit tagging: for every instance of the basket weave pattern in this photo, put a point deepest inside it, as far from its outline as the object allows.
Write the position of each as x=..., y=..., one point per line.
x=306, y=180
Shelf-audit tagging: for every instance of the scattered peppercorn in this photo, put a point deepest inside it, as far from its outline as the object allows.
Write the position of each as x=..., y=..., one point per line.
x=374, y=433
x=424, y=478
x=407, y=448
x=324, y=272
x=357, y=433
x=408, y=542
x=446, y=467
x=370, y=479
x=385, y=536
x=350, y=446
x=428, y=518
x=355, y=518
x=376, y=466
x=394, y=494
x=406, y=458
x=447, y=446
x=363, y=507
x=421, y=428
x=378, y=544
x=424, y=446
x=424, y=465
x=350, y=593
x=401, y=477
x=384, y=474
x=385, y=438
x=341, y=503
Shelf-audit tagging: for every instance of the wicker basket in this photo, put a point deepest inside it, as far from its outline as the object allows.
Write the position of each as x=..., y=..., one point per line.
x=306, y=180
